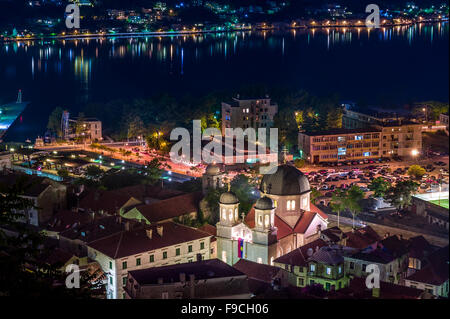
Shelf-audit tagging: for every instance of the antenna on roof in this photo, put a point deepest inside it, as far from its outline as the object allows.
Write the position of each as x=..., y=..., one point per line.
x=19, y=97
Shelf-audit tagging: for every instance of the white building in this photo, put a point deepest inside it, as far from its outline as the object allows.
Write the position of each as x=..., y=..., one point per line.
x=144, y=247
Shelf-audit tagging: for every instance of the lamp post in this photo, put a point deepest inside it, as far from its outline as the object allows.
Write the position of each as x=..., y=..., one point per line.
x=426, y=116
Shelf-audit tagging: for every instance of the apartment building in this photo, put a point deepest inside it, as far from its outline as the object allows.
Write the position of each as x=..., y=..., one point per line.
x=340, y=145
x=248, y=112
x=142, y=247
x=403, y=139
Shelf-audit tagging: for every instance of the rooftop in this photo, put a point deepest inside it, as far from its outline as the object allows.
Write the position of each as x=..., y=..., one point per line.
x=202, y=270
x=341, y=131
x=135, y=241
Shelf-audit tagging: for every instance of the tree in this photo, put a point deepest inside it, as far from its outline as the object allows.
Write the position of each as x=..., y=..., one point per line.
x=334, y=118
x=314, y=195
x=416, y=171
x=153, y=171
x=354, y=197
x=287, y=126
x=400, y=195
x=299, y=162
x=81, y=128
x=379, y=186
x=94, y=172
x=63, y=172
x=135, y=126
x=23, y=270
x=337, y=202
x=241, y=187
x=54, y=121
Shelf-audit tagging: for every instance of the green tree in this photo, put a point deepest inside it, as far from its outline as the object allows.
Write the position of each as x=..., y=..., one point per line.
x=94, y=172
x=240, y=185
x=379, y=186
x=416, y=171
x=54, y=121
x=63, y=172
x=314, y=195
x=287, y=126
x=135, y=127
x=338, y=202
x=353, y=201
x=299, y=163
x=23, y=270
x=400, y=195
x=153, y=171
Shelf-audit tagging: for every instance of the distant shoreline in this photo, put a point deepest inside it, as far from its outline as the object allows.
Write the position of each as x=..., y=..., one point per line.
x=178, y=33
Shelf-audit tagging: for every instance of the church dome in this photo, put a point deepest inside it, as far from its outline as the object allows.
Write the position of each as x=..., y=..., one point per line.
x=228, y=198
x=287, y=180
x=264, y=203
x=212, y=169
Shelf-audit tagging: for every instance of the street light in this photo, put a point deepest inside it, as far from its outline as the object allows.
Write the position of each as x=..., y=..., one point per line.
x=414, y=152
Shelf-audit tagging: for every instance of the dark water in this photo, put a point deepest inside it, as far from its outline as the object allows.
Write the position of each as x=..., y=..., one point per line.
x=386, y=66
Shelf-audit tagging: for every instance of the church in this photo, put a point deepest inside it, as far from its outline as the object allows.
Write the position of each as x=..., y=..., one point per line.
x=282, y=220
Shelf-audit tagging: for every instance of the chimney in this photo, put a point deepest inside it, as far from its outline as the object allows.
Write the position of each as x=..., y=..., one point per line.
x=127, y=225
x=191, y=285
x=149, y=233
x=182, y=277
x=376, y=292
x=159, y=230
x=160, y=281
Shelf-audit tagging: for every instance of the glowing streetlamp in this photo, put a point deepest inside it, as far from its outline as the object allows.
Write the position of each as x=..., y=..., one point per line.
x=414, y=152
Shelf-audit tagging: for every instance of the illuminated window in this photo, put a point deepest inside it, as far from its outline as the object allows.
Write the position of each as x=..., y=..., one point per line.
x=312, y=268
x=328, y=270
x=230, y=213
x=259, y=260
x=224, y=256
x=290, y=205
x=260, y=220
x=266, y=221
x=224, y=214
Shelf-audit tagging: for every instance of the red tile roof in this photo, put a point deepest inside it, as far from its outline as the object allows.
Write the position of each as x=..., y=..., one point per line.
x=210, y=229
x=257, y=271
x=170, y=208
x=108, y=201
x=436, y=272
x=362, y=237
x=299, y=256
x=136, y=241
x=316, y=209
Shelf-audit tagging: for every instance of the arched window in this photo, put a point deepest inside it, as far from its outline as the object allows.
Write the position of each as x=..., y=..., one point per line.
x=230, y=213
x=224, y=214
x=236, y=214
x=266, y=221
x=260, y=220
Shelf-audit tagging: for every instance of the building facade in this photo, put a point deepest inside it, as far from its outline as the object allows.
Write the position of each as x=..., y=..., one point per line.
x=283, y=219
x=145, y=247
x=340, y=145
x=245, y=113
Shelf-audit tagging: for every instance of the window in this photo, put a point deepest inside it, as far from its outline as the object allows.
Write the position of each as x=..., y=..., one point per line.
x=165, y=295
x=152, y=258
x=327, y=286
x=328, y=270
x=177, y=252
x=358, y=137
x=340, y=269
x=190, y=249
x=301, y=281
x=110, y=265
x=259, y=260
x=124, y=281
x=124, y=296
x=266, y=221
x=124, y=265
x=138, y=261
x=352, y=265
x=164, y=254
x=224, y=256
x=260, y=220
x=312, y=268
x=202, y=245
x=364, y=267
x=290, y=205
